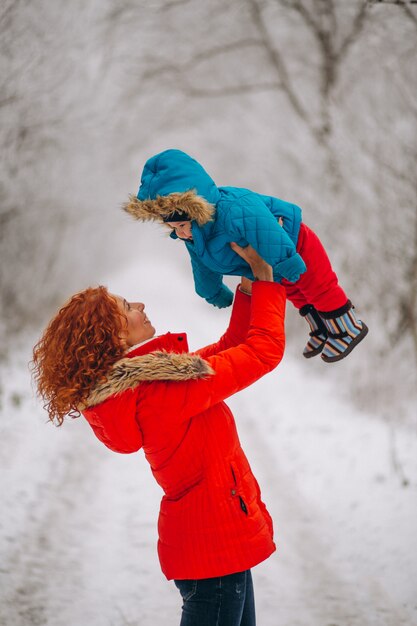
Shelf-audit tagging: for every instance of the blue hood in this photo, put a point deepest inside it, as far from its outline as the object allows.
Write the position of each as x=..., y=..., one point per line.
x=174, y=171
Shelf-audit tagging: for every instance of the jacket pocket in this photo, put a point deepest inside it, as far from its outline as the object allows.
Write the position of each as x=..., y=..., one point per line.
x=235, y=490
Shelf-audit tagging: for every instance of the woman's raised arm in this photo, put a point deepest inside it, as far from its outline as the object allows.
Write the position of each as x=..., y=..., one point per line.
x=234, y=368
x=239, y=319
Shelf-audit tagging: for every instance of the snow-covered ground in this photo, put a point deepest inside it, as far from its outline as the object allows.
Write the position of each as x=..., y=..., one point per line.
x=78, y=522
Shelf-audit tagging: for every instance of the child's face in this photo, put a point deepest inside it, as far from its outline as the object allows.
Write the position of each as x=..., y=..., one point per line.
x=182, y=229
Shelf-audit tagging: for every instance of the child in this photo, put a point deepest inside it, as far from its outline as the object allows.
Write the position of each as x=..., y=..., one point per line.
x=177, y=191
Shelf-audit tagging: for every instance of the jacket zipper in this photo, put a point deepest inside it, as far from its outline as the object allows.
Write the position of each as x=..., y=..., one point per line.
x=234, y=493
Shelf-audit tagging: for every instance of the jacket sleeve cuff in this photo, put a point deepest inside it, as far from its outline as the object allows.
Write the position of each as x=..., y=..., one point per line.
x=240, y=290
x=290, y=269
x=222, y=299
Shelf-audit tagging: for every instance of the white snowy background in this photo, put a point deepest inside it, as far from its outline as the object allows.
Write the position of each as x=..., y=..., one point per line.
x=310, y=100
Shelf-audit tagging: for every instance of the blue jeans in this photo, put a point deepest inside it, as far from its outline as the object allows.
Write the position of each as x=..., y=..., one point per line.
x=224, y=601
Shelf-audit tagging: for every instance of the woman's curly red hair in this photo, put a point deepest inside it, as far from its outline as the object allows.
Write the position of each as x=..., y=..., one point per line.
x=76, y=350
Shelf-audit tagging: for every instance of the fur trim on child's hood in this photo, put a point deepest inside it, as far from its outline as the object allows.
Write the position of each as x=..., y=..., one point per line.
x=174, y=181
x=189, y=202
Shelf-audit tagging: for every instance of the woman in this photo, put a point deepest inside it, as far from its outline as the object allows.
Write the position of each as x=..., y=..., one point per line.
x=213, y=526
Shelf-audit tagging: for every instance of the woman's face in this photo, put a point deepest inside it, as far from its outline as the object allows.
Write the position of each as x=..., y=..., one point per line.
x=182, y=229
x=139, y=328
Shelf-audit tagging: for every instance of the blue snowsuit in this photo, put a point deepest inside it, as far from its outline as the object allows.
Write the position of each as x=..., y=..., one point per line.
x=240, y=215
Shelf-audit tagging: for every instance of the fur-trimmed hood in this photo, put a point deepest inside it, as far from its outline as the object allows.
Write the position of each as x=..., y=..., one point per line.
x=174, y=181
x=197, y=208
x=155, y=366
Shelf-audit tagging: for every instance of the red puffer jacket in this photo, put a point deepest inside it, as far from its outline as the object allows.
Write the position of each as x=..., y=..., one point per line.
x=212, y=521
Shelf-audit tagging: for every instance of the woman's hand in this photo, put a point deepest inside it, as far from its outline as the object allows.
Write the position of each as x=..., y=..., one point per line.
x=260, y=268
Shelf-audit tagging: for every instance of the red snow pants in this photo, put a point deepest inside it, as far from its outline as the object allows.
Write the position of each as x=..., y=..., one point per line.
x=319, y=285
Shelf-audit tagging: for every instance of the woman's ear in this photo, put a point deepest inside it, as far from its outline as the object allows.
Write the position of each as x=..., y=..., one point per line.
x=123, y=332
x=123, y=344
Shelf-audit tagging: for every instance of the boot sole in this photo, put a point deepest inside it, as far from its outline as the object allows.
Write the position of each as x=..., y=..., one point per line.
x=353, y=344
x=312, y=353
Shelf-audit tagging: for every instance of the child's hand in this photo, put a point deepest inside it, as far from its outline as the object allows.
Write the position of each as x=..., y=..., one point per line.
x=260, y=268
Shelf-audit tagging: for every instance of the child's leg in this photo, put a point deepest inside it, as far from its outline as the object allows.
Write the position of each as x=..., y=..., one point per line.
x=335, y=331
x=318, y=331
x=318, y=285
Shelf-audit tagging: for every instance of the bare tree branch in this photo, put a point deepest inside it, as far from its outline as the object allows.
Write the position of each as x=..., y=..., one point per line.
x=233, y=91
x=357, y=27
x=329, y=8
x=191, y=91
x=236, y=45
x=278, y=63
x=8, y=100
x=7, y=13
x=325, y=32
x=6, y=216
x=262, y=42
x=323, y=25
x=174, y=4
x=201, y=56
x=391, y=2
x=409, y=13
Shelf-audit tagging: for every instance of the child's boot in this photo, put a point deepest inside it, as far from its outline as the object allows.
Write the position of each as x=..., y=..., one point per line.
x=344, y=331
x=318, y=331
